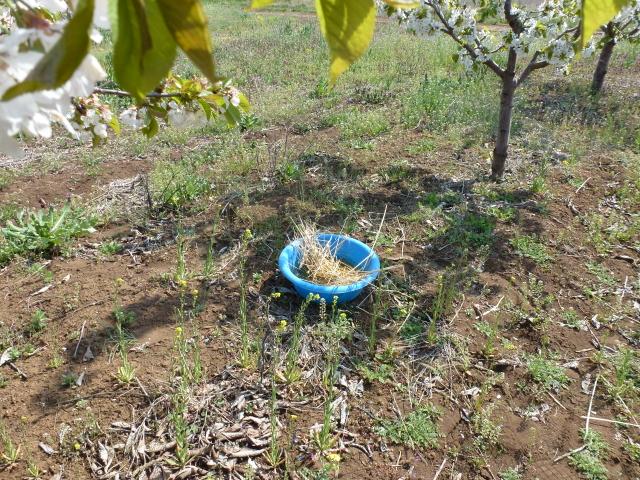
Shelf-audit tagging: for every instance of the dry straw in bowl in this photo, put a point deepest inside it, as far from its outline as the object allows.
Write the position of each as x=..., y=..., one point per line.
x=318, y=261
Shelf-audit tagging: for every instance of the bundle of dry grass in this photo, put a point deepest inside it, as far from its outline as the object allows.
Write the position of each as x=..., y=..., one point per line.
x=318, y=261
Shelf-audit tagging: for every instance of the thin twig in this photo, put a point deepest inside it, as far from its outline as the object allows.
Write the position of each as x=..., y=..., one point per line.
x=75, y=352
x=122, y=93
x=583, y=184
x=17, y=370
x=575, y=450
x=593, y=392
x=617, y=422
x=556, y=400
x=444, y=462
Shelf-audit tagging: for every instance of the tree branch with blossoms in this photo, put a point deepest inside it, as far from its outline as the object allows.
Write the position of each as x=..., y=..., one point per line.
x=48, y=74
x=548, y=34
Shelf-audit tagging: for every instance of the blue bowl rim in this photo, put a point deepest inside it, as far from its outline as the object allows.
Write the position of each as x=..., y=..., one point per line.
x=284, y=264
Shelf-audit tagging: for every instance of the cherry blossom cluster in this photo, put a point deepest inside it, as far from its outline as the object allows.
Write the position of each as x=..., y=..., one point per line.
x=21, y=48
x=30, y=28
x=549, y=31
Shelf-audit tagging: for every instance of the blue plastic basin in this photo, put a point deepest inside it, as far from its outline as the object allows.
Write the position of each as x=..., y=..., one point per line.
x=347, y=249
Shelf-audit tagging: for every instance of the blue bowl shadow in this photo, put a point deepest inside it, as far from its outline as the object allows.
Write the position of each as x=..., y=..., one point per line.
x=347, y=249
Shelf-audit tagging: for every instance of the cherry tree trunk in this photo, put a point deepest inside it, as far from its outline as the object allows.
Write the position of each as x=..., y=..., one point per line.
x=603, y=65
x=501, y=148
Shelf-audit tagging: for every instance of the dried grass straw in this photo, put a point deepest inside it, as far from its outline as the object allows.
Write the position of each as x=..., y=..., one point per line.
x=319, y=263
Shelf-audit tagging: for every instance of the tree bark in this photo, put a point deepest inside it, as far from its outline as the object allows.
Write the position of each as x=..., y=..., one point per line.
x=603, y=60
x=501, y=148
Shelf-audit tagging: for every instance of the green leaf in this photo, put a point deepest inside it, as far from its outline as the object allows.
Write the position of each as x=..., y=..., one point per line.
x=595, y=13
x=260, y=3
x=347, y=26
x=187, y=23
x=402, y=3
x=58, y=64
x=151, y=129
x=144, y=49
x=115, y=124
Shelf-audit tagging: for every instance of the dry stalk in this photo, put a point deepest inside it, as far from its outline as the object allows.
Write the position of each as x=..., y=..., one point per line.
x=319, y=263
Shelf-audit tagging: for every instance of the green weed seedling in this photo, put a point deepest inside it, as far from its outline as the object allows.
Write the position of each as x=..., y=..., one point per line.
x=10, y=452
x=588, y=462
x=38, y=322
x=69, y=379
x=510, y=474
x=418, y=429
x=246, y=357
x=530, y=247
x=292, y=371
x=112, y=247
x=45, y=231
x=546, y=373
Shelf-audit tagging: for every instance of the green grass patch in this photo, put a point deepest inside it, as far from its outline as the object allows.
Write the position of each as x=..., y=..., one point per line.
x=418, y=429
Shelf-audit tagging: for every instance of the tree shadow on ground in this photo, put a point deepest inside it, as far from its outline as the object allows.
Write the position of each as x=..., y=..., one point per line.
x=468, y=231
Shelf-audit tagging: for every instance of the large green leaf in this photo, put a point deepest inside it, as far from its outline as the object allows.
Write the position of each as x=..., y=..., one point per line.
x=58, y=64
x=260, y=3
x=187, y=23
x=347, y=26
x=144, y=49
x=596, y=13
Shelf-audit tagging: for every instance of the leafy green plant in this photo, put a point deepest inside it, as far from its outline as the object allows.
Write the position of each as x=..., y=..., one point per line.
x=45, y=231
x=418, y=429
x=510, y=474
x=124, y=318
x=530, y=247
x=126, y=373
x=176, y=186
x=34, y=470
x=10, y=451
x=292, y=371
x=376, y=372
x=491, y=334
x=69, y=379
x=290, y=171
x=486, y=431
x=248, y=120
x=588, y=462
x=546, y=373
x=321, y=89
x=246, y=358
x=633, y=450
x=112, y=247
x=38, y=322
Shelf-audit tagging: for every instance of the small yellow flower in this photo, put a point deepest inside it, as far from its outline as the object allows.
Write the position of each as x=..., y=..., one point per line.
x=293, y=417
x=24, y=419
x=276, y=295
x=282, y=326
x=316, y=297
x=178, y=331
x=343, y=316
x=119, y=281
x=333, y=457
x=77, y=446
x=195, y=292
x=182, y=283
x=247, y=234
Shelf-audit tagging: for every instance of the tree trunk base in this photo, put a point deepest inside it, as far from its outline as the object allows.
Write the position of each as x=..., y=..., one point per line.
x=498, y=162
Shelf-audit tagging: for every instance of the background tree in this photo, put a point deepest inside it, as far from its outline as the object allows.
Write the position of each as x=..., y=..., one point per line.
x=544, y=36
x=48, y=75
x=625, y=26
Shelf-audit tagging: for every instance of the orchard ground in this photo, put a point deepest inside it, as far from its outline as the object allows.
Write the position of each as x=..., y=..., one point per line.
x=505, y=314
